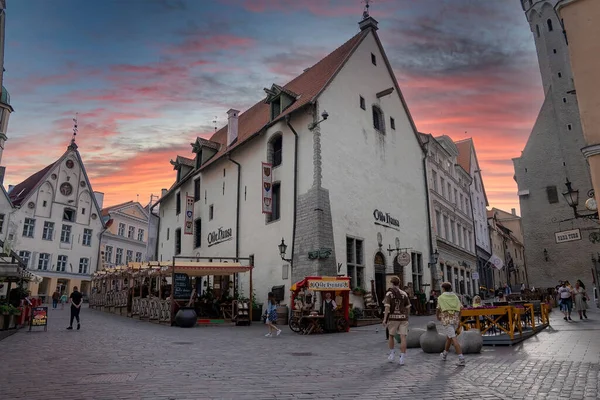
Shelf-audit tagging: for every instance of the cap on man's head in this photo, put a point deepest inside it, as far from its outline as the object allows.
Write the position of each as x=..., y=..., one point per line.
x=395, y=281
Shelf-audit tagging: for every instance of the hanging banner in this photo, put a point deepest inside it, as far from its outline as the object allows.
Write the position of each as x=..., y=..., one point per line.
x=189, y=215
x=267, y=188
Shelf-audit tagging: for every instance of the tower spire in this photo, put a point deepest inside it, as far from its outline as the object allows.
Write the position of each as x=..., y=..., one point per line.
x=366, y=11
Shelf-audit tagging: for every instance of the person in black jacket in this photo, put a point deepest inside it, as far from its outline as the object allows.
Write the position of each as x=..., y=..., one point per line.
x=76, y=302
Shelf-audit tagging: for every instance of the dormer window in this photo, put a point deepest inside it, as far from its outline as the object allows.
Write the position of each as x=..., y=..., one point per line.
x=279, y=99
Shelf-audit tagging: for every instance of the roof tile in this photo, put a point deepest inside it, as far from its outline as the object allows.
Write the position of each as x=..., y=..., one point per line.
x=20, y=191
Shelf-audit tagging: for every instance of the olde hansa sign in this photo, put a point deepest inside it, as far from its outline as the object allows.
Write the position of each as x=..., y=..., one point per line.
x=567, y=236
x=385, y=219
x=323, y=284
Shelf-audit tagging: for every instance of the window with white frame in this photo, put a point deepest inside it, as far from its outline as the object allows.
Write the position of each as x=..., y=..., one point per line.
x=83, y=265
x=28, y=227
x=446, y=228
x=460, y=237
x=108, y=253
x=456, y=196
x=61, y=263
x=177, y=241
x=452, y=232
x=121, y=231
x=119, y=257
x=443, y=185
x=140, y=235
x=129, y=255
x=87, y=237
x=48, y=230
x=44, y=261
x=355, y=261
x=138, y=257
x=65, y=234
x=438, y=222
x=25, y=257
x=417, y=271
x=131, y=232
x=449, y=192
x=434, y=177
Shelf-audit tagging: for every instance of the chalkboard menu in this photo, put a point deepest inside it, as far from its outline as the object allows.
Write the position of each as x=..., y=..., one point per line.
x=39, y=317
x=182, y=286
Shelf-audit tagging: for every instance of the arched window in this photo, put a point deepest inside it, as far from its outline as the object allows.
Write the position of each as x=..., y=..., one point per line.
x=275, y=150
x=537, y=29
x=378, y=120
x=549, y=22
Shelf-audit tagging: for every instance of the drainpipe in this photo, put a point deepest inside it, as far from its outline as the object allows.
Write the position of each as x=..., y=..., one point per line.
x=237, y=219
x=157, y=232
x=287, y=121
x=432, y=266
x=475, y=236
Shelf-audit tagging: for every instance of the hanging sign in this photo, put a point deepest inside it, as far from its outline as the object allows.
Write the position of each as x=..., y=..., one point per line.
x=267, y=188
x=567, y=236
x=39, y=317
x=403, y=259
x=475, y=275
x=182, y=286
x=189, y=216
x=329, y=285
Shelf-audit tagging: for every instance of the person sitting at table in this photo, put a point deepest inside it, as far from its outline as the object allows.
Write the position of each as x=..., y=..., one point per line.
x=328, y=310
x=477, y=301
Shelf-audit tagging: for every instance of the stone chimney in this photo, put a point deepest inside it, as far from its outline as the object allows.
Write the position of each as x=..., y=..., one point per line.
x=10, y=188
x=232, y=126
x=163, y=192
x=99, y=199
x=513, y=211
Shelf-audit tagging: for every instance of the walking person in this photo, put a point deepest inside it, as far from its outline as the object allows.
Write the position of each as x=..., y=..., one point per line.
x=448, y=312
x=55, y=298
x=395, y=318
x=566, y=300
x=271, y=315
x=63, y=300
x=581, y=299
x=76, y=302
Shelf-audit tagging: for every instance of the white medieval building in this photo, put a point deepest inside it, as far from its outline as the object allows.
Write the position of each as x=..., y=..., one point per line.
x=467, y=159
x=126, y=237
x=345, y=180
x=56, y=225
x=451, y=217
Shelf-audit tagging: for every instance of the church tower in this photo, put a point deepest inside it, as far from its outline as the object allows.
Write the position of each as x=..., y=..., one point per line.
x=5, y=107
x=552, y=156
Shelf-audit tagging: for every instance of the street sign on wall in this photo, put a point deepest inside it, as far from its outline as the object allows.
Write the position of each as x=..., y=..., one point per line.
x=567, y=236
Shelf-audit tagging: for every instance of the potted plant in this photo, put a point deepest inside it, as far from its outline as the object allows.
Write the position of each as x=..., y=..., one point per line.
x=13, y=312
x=359, y=291
x=4, y=316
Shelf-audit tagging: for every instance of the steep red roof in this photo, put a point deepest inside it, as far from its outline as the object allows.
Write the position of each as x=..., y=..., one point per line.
x=464, y=153
x=20, y=192
x=308, y=86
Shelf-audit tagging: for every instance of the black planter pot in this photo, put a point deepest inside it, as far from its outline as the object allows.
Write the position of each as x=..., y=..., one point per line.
x=256, y=314
x=186, y=317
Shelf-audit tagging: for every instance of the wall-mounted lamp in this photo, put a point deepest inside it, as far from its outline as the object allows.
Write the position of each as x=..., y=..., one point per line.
x=282, y=250
x=572, y=198
x=313, y=125
x=435, y=257
x=545, y=254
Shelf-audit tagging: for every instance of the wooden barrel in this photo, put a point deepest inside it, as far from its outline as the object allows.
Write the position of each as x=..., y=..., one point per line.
x=282, y=315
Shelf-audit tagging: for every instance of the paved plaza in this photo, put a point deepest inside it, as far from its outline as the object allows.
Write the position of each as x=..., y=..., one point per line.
x=114, y=357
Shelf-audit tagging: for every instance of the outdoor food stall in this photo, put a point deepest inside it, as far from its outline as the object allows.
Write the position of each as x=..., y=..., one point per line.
x=332, y=293
x=177, y=292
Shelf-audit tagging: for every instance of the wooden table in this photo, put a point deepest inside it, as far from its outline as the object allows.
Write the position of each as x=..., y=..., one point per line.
x=314, y=324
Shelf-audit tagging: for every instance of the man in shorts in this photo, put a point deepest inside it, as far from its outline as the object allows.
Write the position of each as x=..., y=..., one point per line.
x=448, y=311
x=395, y=318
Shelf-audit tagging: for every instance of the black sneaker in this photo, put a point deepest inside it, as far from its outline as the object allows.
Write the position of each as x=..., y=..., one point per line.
x=566, y=319
x=570, y=319
x=70, y=328
x=78, y=327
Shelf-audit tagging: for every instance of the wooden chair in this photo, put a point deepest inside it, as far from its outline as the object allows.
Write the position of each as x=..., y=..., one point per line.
x=371, y=307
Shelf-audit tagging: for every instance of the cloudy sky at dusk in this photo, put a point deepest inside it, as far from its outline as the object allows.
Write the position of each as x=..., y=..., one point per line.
x=148, y=76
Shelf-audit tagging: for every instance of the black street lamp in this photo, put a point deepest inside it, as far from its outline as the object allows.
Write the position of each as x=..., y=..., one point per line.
x=572, y=198
x=282, y=250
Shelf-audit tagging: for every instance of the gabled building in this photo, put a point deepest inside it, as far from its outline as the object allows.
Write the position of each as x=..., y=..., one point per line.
x=126, y=236
x=331, y=162
x=57, y=224
x=505, y=236
x=467, y=159
x=451, y=216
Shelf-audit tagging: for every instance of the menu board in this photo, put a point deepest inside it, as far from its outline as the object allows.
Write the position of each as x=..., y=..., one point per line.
x=39, y=317
x=182, y=286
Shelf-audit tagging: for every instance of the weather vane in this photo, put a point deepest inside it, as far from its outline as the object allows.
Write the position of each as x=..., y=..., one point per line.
x=75, y=130
x=215, y=123
x=367, y=5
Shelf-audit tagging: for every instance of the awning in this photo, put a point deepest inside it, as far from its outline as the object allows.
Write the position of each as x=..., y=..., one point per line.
x=208, y=268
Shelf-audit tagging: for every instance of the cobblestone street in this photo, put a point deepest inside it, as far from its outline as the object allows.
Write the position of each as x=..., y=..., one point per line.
x=114, y=357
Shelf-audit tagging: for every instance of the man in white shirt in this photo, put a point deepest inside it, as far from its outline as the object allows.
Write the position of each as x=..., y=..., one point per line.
x=566, y=300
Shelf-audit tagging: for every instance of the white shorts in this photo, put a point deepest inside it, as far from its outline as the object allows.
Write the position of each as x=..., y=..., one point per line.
x=449, y=331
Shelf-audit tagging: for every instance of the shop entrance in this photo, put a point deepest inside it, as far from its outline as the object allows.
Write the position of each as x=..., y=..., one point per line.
x=379, y=264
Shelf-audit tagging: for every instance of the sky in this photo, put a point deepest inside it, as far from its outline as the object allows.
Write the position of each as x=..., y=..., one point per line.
x=148, y=76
